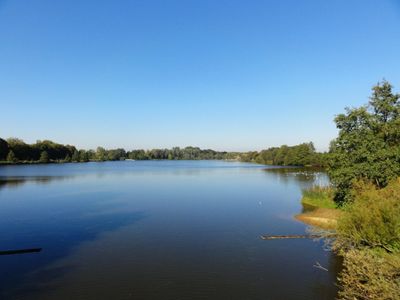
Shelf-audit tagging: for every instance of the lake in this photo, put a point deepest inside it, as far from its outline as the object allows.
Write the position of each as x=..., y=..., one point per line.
x=158, y=230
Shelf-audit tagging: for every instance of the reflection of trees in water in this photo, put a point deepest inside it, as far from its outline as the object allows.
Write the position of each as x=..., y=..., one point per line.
x=14, y=182
x=303, y=176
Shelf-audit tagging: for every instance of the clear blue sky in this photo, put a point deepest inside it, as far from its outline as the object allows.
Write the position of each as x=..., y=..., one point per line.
x=232, y=75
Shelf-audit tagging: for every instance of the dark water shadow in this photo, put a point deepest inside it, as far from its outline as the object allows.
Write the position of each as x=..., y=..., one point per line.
x=18, y=181
x=57, y=238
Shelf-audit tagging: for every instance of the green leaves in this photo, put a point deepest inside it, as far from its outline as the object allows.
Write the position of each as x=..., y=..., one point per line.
x=299, y=155
x=372, y=220
x=368, y=145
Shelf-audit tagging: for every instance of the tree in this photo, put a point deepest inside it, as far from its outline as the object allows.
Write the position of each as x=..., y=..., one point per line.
x=11, y=157
x=23, y=151
x=75, y=156
x=3, y=149
x=83, y=156
x=298, y=155
x=67, y=158
x=44, y=157
x=138, y=155
x=101, y=154
x=116, y=154
x=368, y=144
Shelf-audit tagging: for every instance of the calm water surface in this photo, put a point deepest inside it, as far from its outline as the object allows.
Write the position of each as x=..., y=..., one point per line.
x=158, y=230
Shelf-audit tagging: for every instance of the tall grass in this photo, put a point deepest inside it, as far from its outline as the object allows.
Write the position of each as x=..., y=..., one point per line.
x=318, y=196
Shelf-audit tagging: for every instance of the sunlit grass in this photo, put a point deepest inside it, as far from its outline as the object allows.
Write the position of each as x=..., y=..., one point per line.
x=318, y=196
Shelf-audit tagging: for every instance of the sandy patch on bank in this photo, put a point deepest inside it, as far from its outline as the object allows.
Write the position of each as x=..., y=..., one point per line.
x=325, y=218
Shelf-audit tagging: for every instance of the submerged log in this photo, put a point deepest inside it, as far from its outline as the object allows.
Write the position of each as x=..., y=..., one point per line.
x=295, y=236
x=20, y=251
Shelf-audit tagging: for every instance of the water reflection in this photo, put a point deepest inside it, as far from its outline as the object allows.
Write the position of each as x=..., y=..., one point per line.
x=14, y=182
x=303, y=176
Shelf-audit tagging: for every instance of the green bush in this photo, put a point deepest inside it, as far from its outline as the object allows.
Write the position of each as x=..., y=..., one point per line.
x=373, y=219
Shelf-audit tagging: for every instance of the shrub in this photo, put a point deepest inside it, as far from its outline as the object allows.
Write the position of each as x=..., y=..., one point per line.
x=370, y=274
x=373, y=219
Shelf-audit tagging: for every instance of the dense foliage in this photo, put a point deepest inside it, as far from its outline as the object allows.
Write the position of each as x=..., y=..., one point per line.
x=15, y=150
x=368, y=238
x=369, y=274
x=372, y=220
x=22, y=151
x=176, y=153
x=368, y=145
x=299, y=155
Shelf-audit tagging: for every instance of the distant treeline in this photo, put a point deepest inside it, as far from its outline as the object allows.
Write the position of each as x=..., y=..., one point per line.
x=15, y=150
x=299, y=155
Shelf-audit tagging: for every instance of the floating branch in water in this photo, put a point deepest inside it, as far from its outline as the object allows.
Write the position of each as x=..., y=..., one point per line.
x=318, y=265
x=295, y=236
x=20, y=251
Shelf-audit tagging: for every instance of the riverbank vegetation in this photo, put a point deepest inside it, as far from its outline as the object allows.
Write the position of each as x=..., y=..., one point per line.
x=319, y=197
x=364, y=168
x=368, y=238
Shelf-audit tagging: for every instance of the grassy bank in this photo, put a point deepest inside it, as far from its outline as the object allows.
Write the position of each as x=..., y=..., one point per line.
x=320, y=209
x=319, y=197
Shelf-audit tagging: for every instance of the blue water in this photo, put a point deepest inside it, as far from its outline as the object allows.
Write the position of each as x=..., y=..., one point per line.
x=158, y=230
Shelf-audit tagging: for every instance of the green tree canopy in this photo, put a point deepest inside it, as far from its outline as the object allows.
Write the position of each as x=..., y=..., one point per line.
x=368, y=144
x=299, y=155
x=101, y=154
x=83, y=156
